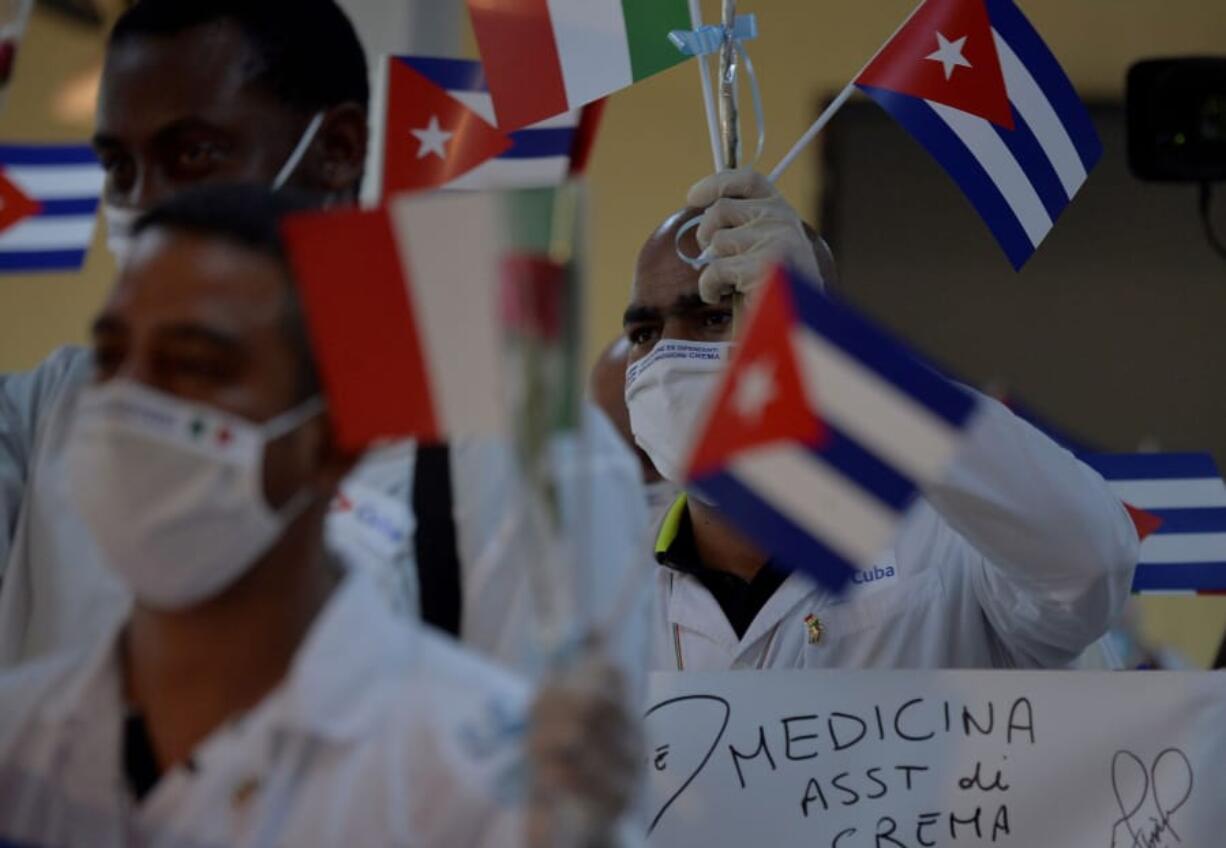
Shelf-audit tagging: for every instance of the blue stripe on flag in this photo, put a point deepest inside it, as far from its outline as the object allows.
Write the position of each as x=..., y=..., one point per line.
x=1152, y=466
x=792, y=547
x=449, y=74
x=1194, y=520
x=47, y=154
x=1009, y=22
x=880, y=353
x=12, y=261
x=68, y=207
x=1170, y=577
x=1025, y=147
x=953, y=155
x=536, y=144
x=865, y=471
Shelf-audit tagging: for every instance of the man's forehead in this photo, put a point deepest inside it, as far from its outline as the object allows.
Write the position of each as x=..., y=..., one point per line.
x=174, y=277
x=662, y=278
x=201, y=72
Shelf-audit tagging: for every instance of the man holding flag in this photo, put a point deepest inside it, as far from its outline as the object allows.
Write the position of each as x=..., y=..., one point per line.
x=207, y=92
x=1017, y=556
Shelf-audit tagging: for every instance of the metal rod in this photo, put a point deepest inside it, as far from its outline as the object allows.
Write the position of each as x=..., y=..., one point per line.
x=729, y=119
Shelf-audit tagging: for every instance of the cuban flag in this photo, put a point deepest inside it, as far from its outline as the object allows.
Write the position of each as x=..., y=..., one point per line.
x=822, y=431
x=981, y=91
x=49, y=196
x=446, y=136
x=1178, y=502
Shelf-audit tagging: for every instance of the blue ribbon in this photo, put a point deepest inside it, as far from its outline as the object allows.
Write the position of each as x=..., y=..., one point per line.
x=703, y=42
x=708, y=39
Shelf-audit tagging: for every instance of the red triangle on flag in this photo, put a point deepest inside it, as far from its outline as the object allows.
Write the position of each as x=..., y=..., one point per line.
x=430, y=138
x=762, y=398
x=946, y=53
x=15, y=204
x=1147, y=523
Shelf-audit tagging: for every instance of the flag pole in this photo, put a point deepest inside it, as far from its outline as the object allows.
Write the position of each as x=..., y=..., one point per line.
x=708, y=92
x=820, y=124
x=836, y=104
x=729, y=118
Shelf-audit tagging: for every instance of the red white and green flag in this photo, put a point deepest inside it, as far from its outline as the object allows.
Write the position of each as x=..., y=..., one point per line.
x=402, y=307
x=545, y=57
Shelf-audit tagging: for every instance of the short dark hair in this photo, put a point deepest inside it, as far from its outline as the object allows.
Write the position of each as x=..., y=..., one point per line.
x=307, y=52
x=249, y=216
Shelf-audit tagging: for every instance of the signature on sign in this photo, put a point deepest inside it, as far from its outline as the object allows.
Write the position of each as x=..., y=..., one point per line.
x=1166, y=785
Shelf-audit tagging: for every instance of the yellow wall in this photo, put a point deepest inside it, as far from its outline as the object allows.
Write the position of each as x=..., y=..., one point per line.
x=653, y=146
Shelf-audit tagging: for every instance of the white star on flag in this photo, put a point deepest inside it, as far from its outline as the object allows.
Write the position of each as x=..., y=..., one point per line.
x=433, y=140
x=949, y=54
x=755, y=389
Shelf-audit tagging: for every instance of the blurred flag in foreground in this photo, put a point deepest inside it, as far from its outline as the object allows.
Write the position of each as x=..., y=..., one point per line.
x=401, y=303
x=545, y=57
x=443, y=314
x=1178, y=501
x=981, y=91
x=821, y=432
x=49, y=196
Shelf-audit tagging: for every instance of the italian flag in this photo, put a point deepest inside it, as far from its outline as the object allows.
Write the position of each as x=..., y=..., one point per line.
x=402, y=307
x=546, y=57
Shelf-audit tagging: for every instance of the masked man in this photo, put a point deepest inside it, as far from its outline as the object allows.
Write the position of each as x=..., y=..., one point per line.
x=1020, y=557
x=275, y=92
x=257, y=693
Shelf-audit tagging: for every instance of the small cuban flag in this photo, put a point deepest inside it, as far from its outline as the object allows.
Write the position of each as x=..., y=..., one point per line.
x=436, y=129
x=974, y=83
x=49, y=196
x=822, y=431
x=1178, y=503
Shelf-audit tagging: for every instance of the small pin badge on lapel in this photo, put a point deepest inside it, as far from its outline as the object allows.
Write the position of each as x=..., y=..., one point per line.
x=813, y=624
x=244, y=792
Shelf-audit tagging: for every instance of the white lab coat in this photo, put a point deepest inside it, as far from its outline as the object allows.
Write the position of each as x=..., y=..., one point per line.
x=55, y=594
x=381, y=734
x=1020, y=558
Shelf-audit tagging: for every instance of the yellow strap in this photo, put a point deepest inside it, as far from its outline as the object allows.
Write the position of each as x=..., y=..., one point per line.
x=671, y=525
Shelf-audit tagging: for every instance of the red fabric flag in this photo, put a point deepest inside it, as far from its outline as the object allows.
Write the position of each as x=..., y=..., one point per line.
x=945, y=53
x=430, y=137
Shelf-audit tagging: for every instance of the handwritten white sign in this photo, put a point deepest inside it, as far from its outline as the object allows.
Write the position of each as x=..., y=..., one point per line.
x=939, y=758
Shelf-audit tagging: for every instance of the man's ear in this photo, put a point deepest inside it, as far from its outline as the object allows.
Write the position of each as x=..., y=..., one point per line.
x=341, y=150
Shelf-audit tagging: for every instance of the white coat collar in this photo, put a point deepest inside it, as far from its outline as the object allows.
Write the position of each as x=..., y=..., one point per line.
x=796, y=588
x=330, y=690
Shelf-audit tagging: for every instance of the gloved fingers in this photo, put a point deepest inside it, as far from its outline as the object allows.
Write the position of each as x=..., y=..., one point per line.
x=738, y=241
x=742, y=273
x=743, y=183
x=727, y=214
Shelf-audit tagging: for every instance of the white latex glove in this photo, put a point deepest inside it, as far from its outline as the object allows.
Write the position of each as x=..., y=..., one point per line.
x=747, y=228
x=585, y=750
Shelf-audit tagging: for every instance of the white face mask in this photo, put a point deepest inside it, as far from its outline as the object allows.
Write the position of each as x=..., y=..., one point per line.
x=173, y=492
x=121, y=220
x=667, y=392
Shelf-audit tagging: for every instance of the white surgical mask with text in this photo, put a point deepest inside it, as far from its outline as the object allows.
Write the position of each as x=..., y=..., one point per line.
x=667, y=392
x=173, y=491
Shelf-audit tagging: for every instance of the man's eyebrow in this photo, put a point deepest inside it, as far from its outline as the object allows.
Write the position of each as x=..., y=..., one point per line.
x=637, y=313
x=105, y=324
x=105, y=140
x=199, y=333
